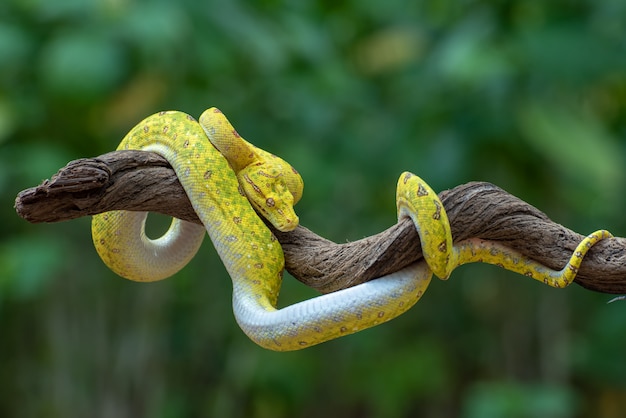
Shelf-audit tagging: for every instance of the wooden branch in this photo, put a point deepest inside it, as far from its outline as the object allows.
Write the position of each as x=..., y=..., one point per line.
x=136, y=180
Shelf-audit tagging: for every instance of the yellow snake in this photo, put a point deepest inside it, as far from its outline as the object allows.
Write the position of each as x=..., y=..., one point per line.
x=224, y=179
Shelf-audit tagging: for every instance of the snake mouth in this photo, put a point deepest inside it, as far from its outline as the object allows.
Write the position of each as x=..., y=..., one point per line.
x=284, y=219
x=289, y=224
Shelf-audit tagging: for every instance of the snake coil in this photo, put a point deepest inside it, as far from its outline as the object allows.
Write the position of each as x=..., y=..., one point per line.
x=226, y=179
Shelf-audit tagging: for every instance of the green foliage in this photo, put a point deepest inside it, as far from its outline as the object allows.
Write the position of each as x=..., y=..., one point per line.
x=517, y=401
x=529, y=95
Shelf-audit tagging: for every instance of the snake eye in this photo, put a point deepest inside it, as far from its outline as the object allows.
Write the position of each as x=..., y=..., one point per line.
x=270, y=202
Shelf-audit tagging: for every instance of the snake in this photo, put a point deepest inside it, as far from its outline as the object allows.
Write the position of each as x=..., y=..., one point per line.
x=232, y=184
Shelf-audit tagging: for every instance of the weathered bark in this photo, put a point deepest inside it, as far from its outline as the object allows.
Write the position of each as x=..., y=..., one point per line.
x=136, y=180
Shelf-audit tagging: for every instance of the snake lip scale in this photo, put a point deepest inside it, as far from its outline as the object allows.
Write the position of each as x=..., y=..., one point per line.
x=226, y=178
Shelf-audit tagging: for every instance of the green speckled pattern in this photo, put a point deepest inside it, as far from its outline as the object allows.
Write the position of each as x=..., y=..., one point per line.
x=221, y=184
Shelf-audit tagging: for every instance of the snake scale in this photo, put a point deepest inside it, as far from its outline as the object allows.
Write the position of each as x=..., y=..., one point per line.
x=226, y=179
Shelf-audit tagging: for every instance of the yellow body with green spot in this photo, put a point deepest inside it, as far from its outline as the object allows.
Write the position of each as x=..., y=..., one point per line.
x=225, y=177
x=415, y=199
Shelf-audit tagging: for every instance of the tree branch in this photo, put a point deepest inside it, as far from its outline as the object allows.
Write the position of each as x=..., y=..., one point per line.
x=136, y=180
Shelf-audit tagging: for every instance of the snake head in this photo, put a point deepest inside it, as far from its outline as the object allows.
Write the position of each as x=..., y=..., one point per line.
x=269, y=190
x=271, y=185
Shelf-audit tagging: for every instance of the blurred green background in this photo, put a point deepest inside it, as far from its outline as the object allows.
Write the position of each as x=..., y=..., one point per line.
x=527, y=94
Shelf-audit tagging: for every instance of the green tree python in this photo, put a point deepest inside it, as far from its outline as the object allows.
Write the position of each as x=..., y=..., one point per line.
x=226, y=179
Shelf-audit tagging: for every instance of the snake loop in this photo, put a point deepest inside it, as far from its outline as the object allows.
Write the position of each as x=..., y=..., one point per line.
x=226, y=178
x=415, y=199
